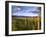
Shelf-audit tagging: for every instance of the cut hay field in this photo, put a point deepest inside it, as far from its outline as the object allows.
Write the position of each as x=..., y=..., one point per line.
x=26, y=23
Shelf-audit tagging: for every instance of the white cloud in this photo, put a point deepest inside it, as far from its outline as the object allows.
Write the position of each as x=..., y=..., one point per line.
x=19, y=8
x=25, y=14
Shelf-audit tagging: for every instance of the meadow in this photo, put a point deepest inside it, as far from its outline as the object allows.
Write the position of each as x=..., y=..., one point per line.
x=26, y=23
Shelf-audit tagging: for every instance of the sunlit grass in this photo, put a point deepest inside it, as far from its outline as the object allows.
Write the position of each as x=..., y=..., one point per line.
x=25, y=23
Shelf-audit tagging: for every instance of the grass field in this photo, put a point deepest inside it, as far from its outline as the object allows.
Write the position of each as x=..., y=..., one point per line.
x=26, y=23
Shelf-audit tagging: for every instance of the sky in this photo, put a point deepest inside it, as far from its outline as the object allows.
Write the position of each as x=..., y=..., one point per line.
x=25, y=10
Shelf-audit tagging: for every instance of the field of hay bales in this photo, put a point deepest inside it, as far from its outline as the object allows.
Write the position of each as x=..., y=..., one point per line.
x=26, y=23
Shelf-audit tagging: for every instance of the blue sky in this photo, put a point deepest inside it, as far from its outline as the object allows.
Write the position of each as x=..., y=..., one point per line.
x=25, y=10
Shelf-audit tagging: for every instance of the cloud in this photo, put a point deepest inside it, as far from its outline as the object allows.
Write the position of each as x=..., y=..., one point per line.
x=25, y=10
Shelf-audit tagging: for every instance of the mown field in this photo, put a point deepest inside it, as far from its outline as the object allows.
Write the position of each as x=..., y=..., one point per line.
x=26, y=23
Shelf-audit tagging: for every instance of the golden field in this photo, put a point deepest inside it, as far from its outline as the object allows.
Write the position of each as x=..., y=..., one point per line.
x=26, y=23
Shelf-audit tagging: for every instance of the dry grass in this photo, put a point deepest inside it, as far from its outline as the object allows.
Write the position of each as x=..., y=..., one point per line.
x=26, y=23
